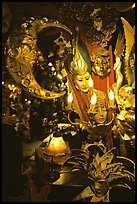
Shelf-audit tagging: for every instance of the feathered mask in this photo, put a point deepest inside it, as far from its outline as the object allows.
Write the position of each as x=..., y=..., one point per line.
x=81, y=59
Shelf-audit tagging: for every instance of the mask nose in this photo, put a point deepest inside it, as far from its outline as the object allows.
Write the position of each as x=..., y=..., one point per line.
x=84, y=82
x=97, y=186
x=100, y=111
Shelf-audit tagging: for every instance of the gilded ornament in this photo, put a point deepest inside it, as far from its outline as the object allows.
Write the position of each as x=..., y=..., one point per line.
x=22, y=50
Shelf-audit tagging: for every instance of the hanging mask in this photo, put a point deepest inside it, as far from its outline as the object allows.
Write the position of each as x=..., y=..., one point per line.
x=101, y=62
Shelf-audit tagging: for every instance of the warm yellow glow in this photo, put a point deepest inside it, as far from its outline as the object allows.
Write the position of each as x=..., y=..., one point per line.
x=9, y=86
x=93, y=99
x=111, y=95
x=70, y=97
x=57, y=146
x=90, y=82
x=52, y=68
x=59, y=76
x=49, y=64
x=133, y=6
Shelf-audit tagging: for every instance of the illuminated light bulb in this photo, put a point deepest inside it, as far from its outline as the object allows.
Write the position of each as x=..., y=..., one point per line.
x=111, y=95
x=52, y=68
x=50, y=64
x=9, y=86
x=70, y=97
x=12, y=85
x=59, y=76
x=93, y=99
x=111, y=98
x=90, y=82
x=133, y=6
x=29, y=102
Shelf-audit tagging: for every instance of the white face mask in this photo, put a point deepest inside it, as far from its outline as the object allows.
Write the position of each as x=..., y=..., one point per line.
x=82, y=81
x=100, y=115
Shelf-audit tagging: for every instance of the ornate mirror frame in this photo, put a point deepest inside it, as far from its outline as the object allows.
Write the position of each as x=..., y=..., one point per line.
x=22, y=52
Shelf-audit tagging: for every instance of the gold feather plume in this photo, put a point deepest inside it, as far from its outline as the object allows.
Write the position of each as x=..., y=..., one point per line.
x=129, y=35
x=120, y=46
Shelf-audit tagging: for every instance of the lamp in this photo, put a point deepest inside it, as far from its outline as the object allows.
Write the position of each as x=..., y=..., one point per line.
x=55, y=147
x=70, y=99
x=93, y=101
x=111, y=99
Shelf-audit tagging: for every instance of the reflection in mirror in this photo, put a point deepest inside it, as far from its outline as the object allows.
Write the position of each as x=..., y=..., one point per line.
x=50, y=72
x=24, y=56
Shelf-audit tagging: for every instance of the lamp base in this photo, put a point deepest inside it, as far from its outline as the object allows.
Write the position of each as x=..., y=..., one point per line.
x=52, y=175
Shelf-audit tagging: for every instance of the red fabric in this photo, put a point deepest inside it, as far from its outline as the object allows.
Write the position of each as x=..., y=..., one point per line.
x=106, y=83
x=84, y=97
x=83, y=102
x=100, y=84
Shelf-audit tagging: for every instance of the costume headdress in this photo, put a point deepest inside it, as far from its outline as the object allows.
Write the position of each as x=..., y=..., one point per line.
x=81, y=58
x=98, y=165
x=101, y=98
x=100, y=52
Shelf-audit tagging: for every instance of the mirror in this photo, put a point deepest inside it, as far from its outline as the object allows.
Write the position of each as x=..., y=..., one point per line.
x=37, y=48
x=50, y=72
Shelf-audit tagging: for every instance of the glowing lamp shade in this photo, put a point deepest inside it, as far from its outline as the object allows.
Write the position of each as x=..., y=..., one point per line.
x=57, y=146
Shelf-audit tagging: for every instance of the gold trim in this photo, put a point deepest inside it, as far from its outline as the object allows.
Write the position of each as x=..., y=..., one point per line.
x=20, y=63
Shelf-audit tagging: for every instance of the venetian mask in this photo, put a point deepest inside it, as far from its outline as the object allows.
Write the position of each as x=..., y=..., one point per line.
x=124, y=92
x=100, y=187
x=101, y=59
x=100, y=114
x=82, y=81
x=100, y=110
x=80, y=66
x=125, y=120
